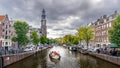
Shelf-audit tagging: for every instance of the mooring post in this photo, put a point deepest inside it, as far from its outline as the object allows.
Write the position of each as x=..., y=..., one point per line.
x=1, y=62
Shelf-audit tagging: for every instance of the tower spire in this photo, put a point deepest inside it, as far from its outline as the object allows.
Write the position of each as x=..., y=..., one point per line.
x=43, y=23
x=43, y=14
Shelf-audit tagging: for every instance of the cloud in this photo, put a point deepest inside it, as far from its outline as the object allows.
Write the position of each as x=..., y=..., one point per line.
x=63, y=16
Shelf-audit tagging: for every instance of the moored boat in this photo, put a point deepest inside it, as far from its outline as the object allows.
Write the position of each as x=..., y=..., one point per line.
x=54, y=56
x=85, y=52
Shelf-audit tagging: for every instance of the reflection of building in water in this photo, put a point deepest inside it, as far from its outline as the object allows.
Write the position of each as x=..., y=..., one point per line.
x=87, y=62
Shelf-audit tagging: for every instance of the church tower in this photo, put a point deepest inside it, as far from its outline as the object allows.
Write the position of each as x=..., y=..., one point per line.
x=43, y=23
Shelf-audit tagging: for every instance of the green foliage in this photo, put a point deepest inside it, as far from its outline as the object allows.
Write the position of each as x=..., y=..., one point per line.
x=44, y=40
x=75, y=40
x=86, y=34
x=35, y=38
x=80, y=34
x=21, y=29
x=70, y=39
x=50, y=41
x=114, y=32
x=59, y=40
x=14, y=39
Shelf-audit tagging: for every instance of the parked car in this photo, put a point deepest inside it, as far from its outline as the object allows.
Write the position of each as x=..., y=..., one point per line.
x=95, y=49
x=69, y=47
x=28, y=49
x=91, y=50
x=74, y=48
x=85, y=48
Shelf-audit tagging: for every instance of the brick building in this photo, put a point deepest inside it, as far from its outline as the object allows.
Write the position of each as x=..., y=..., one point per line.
x=101, y=28
x=6, y=31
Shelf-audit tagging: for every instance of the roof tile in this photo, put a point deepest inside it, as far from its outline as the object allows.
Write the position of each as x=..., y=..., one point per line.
x=2, y=18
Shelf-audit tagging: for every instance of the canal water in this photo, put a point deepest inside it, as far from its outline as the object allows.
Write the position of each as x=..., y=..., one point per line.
x=68, y=60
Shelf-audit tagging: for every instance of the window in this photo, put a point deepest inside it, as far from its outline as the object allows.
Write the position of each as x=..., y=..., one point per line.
x=110, y=24
x=6, y=26
x=110, y=18
x=105, y=20
x=6, y=37
x=3, y=30
x=107, y=26
x=6, y=43
x=3, y=43
x=102, y=27
x=3, y=24
x=3, y=36
x=6, y=32
x=9, y=25
x=9, y=37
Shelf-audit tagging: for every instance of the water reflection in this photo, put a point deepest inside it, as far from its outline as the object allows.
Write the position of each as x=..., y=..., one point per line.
x=68, y=60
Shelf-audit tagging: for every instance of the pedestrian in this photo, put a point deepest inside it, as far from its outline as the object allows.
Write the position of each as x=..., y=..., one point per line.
x=114, y=53
x=110, y=52
x=98, y=51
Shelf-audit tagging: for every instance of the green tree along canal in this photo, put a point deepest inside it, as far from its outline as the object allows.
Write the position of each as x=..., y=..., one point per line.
x=68, y=60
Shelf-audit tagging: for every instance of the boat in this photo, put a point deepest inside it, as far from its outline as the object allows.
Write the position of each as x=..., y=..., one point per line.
x=85, y=52
x=54, y=56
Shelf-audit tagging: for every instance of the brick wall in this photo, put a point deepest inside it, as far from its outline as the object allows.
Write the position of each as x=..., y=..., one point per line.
x=9, y=59
x=112, y=59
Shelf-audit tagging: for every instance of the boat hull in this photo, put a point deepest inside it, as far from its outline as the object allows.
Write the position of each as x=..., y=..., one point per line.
x=54, y=59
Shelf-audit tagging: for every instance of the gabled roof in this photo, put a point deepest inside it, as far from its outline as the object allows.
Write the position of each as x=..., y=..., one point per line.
x=2, y=18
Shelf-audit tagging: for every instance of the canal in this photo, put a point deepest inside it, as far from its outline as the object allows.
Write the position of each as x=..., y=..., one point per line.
x=68, y=60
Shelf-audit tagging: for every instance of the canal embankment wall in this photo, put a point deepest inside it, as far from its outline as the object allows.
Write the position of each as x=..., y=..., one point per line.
x=111, y=59
x=10, y=59
x=6, y=60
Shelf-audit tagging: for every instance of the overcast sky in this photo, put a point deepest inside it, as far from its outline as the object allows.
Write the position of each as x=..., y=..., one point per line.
x=63, y=16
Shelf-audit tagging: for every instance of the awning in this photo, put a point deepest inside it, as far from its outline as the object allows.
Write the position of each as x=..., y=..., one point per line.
x=114, y=46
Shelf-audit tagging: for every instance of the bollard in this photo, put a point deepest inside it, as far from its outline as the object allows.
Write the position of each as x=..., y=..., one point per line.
x=1, y=62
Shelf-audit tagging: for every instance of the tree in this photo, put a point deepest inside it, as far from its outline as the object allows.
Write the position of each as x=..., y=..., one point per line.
x=21, y=29
x=50, y=41
x=14, y=39
x=80, y=34
x=70, y=39
x=43, y=39
x=114, y=32
x=35, y=38
x=75, y=40
x=60, y=40
x=86, y=33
